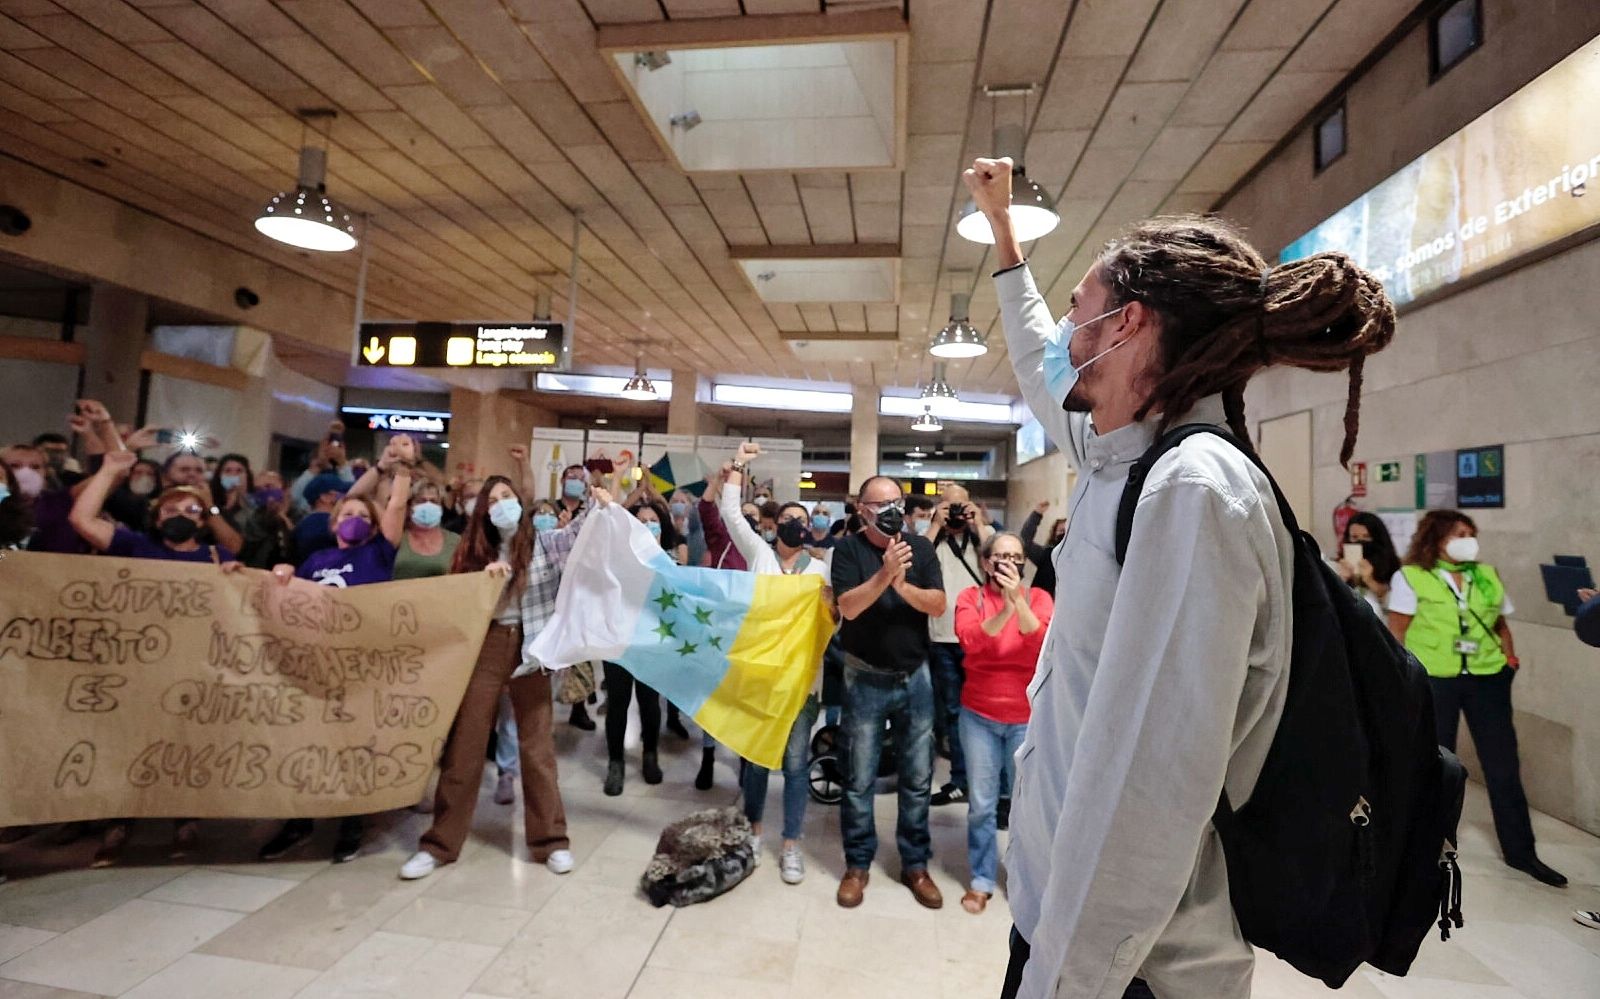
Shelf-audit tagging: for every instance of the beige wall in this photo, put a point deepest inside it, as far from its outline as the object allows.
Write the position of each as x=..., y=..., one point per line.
x=1048, y=478
x=1512, y=361
x=484, y=426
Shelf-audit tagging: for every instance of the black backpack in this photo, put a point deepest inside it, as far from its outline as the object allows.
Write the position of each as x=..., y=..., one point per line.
x=1345, y=851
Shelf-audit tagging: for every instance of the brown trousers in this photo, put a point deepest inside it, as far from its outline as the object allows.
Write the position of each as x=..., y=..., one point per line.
x=461, y=770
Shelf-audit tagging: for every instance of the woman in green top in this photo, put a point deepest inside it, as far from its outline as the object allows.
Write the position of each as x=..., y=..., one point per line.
x=1449, y=608
x=426, y=549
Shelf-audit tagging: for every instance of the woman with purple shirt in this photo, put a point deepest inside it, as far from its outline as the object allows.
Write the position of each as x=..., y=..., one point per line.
x=364, y=553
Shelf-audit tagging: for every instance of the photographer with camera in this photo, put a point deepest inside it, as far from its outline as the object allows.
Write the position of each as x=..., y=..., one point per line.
x=959, y=528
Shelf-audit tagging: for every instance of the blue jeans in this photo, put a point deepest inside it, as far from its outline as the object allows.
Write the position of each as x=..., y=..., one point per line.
x=796, y=776
x=907, y=704
x=990, y=745
x=944, y=659
x=505, y=737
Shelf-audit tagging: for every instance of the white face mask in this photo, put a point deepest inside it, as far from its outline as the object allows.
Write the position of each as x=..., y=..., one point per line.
x=925, y=527
x=1461, y=550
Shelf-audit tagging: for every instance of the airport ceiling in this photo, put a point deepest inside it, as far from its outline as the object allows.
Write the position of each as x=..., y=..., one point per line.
x=473, y=130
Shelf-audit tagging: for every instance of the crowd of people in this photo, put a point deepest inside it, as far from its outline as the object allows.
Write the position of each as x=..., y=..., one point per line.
x=963, y=613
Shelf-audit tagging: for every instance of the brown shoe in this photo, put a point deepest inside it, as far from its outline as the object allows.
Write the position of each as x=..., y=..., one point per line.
x=853, y=887
x=975, y=901
x=922, y=888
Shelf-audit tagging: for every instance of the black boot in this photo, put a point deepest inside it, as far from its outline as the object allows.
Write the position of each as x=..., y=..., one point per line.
x=652, y=769
x=347, y=846
x=580, y=718
x=1539, y=871
x=293, y=833
x=675, y=723
x=708, y=760
x=614, y=775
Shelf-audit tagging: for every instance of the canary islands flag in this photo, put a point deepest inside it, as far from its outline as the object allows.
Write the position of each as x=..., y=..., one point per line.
x=736, y=650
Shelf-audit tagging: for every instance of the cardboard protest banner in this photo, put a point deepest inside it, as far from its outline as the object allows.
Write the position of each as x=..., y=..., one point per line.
x=140, y=688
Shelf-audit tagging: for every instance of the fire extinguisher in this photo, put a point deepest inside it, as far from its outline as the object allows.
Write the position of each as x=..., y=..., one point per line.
x=1342, y=515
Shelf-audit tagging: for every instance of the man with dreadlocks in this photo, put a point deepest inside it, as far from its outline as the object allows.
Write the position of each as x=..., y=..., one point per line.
x=1162, y=680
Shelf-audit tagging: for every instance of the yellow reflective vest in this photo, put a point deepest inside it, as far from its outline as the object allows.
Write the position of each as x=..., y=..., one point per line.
x=1442, y=620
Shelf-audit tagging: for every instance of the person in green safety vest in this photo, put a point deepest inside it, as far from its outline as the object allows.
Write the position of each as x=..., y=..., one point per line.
x=1449, y=608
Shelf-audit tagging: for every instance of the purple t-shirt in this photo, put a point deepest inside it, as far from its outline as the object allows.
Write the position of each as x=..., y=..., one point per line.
x=370, y=562
x=132, y=544
x=51, y=530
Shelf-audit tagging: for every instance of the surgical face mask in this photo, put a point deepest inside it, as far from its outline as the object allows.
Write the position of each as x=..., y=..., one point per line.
x=427, y=514
x=232, y=482
x=470, y=505
x=654, y=527
x=1461, y=550
x=142, y=485
x=267, y=496
x=505, y=514
x=30, y=481
x=923, y=526
x=821, y=521
x=769, y=535
x=178, y=529
x=1060, y=375
x=572, y=488
x=793, y=532
x=680, y=509
x=544, y=522
x=353, y=530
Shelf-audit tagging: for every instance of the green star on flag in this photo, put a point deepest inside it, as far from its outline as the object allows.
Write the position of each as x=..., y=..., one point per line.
x=703, y=615
x=716, y=642
x=667, y=600
x=664, y=629
x=686, y=649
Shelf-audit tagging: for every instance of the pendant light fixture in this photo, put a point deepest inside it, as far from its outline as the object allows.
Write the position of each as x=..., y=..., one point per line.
x=927, y=422
x=938, y=395
x=639, y=388
x=959, y=338
x=306, y=217
x=1033, y=212
x=916, y=452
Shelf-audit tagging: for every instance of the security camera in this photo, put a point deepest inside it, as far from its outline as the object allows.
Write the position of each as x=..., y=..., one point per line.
x=14, y=221
x=244, y=298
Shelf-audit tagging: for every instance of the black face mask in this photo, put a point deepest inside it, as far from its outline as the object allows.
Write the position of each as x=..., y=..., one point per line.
x=792, y=533
x=891, y=520
x=178, y=529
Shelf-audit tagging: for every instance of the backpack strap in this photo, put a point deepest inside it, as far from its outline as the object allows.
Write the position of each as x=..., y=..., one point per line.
x=1167, y=442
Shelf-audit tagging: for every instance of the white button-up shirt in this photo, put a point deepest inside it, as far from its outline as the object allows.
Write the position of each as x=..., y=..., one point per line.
x=1160, y=683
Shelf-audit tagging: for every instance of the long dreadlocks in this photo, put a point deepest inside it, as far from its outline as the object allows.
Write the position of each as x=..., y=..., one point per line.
x=1227, y=314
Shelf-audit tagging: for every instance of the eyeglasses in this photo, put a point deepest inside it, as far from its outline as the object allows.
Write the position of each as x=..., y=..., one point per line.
x=1013, y=559
x=191, y=510
x=879, y=507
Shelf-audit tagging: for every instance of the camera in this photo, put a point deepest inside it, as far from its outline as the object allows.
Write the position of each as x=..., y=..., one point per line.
x=959, y=514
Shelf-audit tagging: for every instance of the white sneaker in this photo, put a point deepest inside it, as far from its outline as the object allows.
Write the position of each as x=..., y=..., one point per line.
x=560, y=862
x=1587, y=917
x=791, y=866
x=421, y=864
x=755, y=848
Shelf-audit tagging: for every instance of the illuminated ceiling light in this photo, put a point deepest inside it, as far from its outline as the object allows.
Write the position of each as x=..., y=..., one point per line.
x=959, y=338
x=938, y=395
x=652, y=60
x=602, y=420
x=916, y=452
x=639, y=387
x=1033, y=212
x=685, y=120
x=912, y=466
x=306, y=217
x=927, y=423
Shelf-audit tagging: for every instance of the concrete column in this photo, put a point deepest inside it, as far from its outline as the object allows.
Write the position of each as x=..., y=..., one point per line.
x=683, y=408
x=113, y=340
x=484, y=426
x=863, y=435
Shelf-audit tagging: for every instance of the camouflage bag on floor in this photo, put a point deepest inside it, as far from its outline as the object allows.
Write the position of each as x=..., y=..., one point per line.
x=577, y=684
x=699, y=857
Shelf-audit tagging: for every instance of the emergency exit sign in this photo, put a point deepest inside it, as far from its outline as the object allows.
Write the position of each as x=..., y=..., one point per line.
x=523, y=346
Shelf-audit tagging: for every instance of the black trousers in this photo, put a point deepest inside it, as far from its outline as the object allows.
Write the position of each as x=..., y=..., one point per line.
x=1137, y=989
x=620, y=688
x=1486, y=701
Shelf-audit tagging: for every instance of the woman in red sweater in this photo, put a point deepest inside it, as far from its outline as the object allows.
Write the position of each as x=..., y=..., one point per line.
x=1000, y=626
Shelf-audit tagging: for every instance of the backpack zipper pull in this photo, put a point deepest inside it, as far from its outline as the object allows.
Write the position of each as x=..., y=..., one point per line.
x=1361, y=815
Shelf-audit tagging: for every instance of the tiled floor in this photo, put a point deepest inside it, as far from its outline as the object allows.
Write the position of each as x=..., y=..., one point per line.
x=225, y=927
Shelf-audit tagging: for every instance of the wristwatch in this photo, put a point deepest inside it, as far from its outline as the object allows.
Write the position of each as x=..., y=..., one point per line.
x=739, y=466
x=216, y=512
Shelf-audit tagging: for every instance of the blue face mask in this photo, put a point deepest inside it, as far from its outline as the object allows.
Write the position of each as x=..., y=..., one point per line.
x=572, y=488
x=544, y=522
x=232, y=482
x=505, y=514
x=427, y=514
x=821, y=522
x=5, y=492
x=1060, y=375
x=654, y=527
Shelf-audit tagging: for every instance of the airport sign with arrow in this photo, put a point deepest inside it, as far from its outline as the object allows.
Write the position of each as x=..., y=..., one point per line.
x=523, y=346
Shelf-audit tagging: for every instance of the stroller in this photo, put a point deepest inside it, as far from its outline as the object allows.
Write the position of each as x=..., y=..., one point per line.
x=826, y=771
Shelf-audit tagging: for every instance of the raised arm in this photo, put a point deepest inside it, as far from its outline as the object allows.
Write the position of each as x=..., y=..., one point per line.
x=757, y=553
x=85, y=516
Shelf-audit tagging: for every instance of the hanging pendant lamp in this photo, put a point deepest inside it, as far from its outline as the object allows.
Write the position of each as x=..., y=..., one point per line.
x=959, y=338
x=306, y=217
x=937, y=395
x=1033, y=212
x=927, y=422
x=639, y=388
